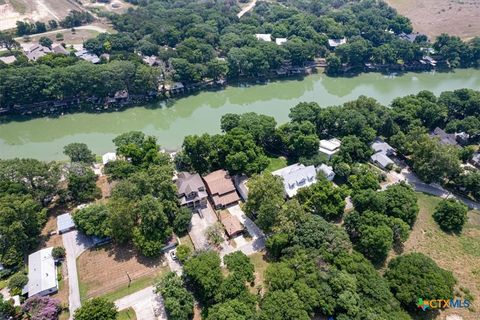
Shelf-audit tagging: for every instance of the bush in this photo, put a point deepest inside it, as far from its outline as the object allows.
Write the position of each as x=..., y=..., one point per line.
x=450, y=215
x=96, y=309
x=183, y=253
x=17, y=281
x=58, y=253
x=42, y=308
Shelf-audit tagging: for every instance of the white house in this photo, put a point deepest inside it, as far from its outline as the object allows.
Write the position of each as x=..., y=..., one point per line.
x=264, y=37
x=381, y=160
x=42, y=273
x=109, y=156
x=382, y=153
x=380, y=146
x=329, y=147
x=296, y=177
x=327, y=171
x=333, y=43
x=65, y=223
x=280, y=41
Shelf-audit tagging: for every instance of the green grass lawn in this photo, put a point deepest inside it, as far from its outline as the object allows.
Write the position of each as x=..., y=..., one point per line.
x=186, y=241
x=260, y=263
x=127, y=314
x=276, y=163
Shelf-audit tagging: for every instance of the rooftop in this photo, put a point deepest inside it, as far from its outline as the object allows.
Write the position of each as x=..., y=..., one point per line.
x=109, y=156
x=445, y=138
x=8, y=60
x=42, y=273
x=219, y=182
x=382, y=159
x=65, y=222
x=336, y=42
x=296, y=176
x=380, y=146
x=231, y=223
x=264, y=37
x=280, y=41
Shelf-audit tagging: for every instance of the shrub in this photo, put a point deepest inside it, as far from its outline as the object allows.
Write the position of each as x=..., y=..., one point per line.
x=58, y=253
x=451, y=215
x=183, y=253
x=17, y=281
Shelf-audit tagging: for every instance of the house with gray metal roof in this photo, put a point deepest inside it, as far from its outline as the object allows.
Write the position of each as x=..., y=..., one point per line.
x=42, y=273
x=65, y=223
x=327, y=171
x=381, y=160
x=296, y=177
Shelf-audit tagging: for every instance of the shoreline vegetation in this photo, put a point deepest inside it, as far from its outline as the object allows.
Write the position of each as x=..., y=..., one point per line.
x=163, y=50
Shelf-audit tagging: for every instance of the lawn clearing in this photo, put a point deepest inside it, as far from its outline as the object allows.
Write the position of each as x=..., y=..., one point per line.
x=127, y=314
x=187, y=241
x=433, y=17
x=260, y=263
x=457, y=253
x=106, y=271
x=276, y=163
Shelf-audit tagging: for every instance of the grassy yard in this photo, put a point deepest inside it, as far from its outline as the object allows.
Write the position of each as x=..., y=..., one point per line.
x=457, y=253
x=260, y=263
x=276, y=163
x=187, y=241
x=106, y=271
x=127, y=314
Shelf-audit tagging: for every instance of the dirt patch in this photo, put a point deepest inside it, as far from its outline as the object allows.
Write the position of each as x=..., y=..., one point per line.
x=115, y=6
x=34, y=10
x=108, y=268
x=457, y=253
x=433, y=17
x=260, y=263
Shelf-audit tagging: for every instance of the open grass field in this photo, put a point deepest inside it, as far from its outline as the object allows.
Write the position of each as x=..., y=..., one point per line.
x=276, y=163
x=12, y=11
x=105, y=271
x=260, y=263
x=433, y=17
x=457, y=253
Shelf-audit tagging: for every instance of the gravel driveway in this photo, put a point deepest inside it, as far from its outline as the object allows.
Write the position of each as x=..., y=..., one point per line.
x=147, y=305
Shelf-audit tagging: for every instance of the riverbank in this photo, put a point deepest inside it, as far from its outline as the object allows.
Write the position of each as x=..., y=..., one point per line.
x=170, y=121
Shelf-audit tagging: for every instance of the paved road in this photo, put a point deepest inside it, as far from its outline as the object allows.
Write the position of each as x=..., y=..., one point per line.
x=174, y=265
x=147, y=305
x=247, y=8
x=75, y=243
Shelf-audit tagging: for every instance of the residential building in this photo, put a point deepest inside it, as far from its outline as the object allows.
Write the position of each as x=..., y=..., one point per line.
x=329, y=147
x=58, y=48
x=280, y=41
x=410, y=37
x=327, y=171
x=296, y=177
x=36, y=51
x=333, y=43
x=8, y=59
x=65, y=223
x=108, y=157
x=87, y=56
x=221, y=189
x=476, y=159
x=444, y=138
x=381, y=160
x=42, y=273
x=190, y=190
x=233, y=226
x=381, y=146
x=264, y=37
x=240, y=182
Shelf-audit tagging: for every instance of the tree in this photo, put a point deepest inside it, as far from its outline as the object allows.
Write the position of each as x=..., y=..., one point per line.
x=203, y=274
x=238, y=262
x=353, y=150
x=231, y=310
x=265, y=199
x=183, y=252
x=434, y=162
x=451, y=215
x=7, y=309
x=7, y=41
x=93, y=220
x=21, y=220
x=82, y=185
x=323, y=199
x=46, y=42
x=79, y=152
x=415, y=276
x=286, y=305
x=96, y=309
x=58, y=253
x=153, y=230
x=177, y=300
x=17, y=282
x=182, y=220
x=42, y=308
x=401, y=202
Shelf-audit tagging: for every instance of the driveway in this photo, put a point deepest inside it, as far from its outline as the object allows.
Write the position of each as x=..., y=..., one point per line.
x=174, y=265
x=252, y=228
x=247, y=8
x=199, y=224
x=147, y=305
x=75, y=243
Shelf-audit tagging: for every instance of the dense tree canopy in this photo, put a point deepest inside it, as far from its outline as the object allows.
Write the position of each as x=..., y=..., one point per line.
x=96, y=309
x=177, y=300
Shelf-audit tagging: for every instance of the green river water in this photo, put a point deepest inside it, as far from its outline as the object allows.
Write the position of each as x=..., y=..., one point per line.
x=44, y=138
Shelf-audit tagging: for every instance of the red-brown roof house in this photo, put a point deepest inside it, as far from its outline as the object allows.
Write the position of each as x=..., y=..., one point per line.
x=233, y=226
x=221, y=189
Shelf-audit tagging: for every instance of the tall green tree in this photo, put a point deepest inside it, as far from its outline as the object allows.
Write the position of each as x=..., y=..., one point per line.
x=96, y=309
x=79, y=152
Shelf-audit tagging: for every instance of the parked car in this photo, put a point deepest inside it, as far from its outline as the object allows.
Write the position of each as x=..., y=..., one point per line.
x=173, y=255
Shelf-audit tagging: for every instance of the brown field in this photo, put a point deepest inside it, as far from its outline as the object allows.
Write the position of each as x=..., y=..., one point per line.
x=433, y=17
x=104, y=270
x=42, y=10
x=457, y=253
x=69, y=37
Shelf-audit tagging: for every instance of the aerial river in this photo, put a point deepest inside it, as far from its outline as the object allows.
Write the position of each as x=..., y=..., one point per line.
x=44, y=138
